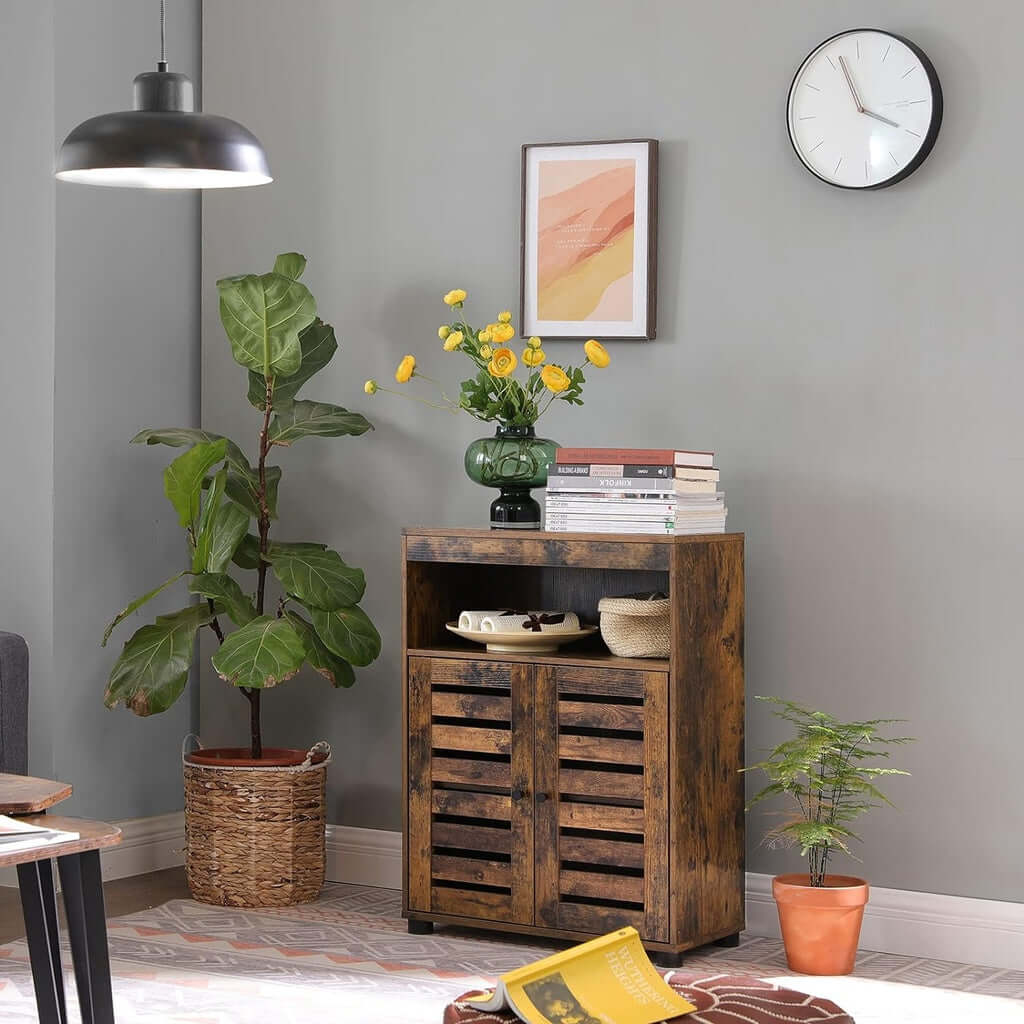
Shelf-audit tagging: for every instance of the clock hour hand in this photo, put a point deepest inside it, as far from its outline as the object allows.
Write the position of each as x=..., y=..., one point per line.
x=878, y=117
x=849, y=81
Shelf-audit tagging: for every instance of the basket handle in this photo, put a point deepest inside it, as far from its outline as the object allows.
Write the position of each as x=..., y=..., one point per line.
x=185, y=744
x=323, y=747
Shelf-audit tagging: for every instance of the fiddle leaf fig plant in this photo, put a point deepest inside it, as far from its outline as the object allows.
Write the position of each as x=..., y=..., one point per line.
x=226, y=506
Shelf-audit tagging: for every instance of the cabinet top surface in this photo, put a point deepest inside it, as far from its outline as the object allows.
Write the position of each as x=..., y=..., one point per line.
x=607, y=538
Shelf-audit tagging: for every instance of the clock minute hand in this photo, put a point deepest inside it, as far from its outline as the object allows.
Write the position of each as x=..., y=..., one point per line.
x=878, y=117
x=849, y=81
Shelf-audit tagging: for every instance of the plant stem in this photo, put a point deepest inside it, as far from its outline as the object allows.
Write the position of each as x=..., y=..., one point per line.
x=253, y=695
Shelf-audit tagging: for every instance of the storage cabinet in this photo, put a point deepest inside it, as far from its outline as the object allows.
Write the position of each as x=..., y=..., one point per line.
x=569, y=794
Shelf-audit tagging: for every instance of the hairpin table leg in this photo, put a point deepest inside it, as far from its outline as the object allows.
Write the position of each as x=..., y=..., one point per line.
x=39, y=907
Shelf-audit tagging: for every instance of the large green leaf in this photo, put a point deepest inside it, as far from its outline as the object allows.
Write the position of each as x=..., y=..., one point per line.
x=179, y=437
x=349, y=633
x=261, y=654
x=242, y=489
x=153, y=668
x=247, y=554
x=319, y=578
x=183, y=478
x=318, y=347
x=136, y=604
x=290, y=264
x=329, y=665
x=321, y=419
x=217, y=545
x=211, y=506
x=222, y=589
x=262, y=315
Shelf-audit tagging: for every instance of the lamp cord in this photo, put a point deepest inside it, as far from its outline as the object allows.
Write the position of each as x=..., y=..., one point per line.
x=163, y=37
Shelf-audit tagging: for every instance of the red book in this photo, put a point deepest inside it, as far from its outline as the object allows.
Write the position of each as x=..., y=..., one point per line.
x=636, y=456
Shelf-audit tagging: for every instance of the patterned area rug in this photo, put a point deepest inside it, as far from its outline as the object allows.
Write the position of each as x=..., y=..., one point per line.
x=348, y=958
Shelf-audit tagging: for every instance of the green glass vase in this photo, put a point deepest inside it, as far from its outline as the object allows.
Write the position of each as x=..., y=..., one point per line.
x=514, y=460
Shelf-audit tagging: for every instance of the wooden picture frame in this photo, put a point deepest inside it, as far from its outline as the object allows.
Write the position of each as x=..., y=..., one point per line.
x=589, y=240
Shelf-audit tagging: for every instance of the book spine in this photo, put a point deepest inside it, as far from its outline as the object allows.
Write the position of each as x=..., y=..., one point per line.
x=617, y=456
x=610, y=483
x=616, y=470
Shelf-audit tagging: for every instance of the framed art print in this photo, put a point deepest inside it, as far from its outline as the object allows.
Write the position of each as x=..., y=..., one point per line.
x=589, y=240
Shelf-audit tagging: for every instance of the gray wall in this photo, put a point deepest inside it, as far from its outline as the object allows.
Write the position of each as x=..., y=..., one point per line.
x=26, y=295
x=100, y=340
x=127, y=357
x=853, y=358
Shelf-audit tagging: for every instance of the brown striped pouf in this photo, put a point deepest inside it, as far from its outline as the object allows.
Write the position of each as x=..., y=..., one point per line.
x=719, y=998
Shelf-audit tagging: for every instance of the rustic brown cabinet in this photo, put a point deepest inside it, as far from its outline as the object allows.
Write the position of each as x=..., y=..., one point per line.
x=569, y=794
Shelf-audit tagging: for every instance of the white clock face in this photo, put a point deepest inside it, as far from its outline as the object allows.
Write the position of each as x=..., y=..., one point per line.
x=864, y=109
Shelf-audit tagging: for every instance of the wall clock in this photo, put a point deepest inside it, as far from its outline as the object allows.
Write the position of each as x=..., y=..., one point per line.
x=864, y=109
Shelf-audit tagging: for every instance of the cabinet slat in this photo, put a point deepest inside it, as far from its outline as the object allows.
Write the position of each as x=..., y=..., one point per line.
x=583, y=917
x=590, y=715
x=610, y=785
x=601, y=817
x=471, y=869
x=608, y=682
x=601, y=749
x=456, y=672
x=493, y=806
x=471, y=837
x=607, y=852
x=624, y=888
x=471, y=705
x=467, y=772
x=471, y=738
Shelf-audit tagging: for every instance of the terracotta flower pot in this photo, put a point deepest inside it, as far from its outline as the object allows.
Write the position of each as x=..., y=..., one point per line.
x=820, y=924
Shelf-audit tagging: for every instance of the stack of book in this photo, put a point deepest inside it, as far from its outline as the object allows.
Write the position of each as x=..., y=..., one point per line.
x=634, y=490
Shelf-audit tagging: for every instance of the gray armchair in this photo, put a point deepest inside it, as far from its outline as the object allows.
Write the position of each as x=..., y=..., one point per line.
x=13, y=704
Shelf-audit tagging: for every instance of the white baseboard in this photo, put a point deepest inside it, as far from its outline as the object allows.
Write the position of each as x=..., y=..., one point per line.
x=147, y=844
x=920, y=924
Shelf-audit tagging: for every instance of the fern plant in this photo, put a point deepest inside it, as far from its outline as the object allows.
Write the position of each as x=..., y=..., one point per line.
x=227, y=506
x=826, y=771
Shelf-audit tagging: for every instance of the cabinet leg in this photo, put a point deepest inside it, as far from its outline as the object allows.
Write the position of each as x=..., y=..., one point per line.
x=728, y=941
x=39, y=908
x=420, y=927
x=661, y=958
x=82, y=882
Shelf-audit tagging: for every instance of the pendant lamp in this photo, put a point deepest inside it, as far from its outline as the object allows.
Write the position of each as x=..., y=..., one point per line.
x=163, y=142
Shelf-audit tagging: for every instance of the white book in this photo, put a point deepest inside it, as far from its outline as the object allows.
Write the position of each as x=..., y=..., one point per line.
x=16, y=835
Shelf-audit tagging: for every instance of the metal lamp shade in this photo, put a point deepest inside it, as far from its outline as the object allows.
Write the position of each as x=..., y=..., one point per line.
x=163, y=143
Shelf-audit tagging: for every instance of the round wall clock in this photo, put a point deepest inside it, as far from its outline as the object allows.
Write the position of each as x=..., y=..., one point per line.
x=864, y=109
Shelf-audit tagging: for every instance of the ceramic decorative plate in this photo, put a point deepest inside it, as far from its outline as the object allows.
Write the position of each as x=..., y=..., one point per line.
x=523, y=641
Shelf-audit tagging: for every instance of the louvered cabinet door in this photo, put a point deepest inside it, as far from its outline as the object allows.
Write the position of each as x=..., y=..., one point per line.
x=470, y=851
x=601, y=800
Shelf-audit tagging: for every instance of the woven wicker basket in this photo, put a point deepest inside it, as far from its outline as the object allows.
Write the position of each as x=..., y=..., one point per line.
x=636, y=626
x=254, y=836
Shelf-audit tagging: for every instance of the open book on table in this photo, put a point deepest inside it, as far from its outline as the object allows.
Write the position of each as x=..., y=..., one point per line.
x=608, y=980
x=18, y=835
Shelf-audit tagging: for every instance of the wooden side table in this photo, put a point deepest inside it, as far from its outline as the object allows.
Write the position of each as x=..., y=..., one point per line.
x=81, y=879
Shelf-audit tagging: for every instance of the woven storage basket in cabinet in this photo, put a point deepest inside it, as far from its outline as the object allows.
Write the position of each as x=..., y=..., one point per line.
x=254, y=837
x=636, y=626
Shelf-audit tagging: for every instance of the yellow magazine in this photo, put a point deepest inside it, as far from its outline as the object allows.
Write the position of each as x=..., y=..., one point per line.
x=605, y=981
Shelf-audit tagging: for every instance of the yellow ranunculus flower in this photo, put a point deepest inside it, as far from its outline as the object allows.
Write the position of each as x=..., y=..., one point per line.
x=533, y=356
x=370, y=387
x=534, y=342
x=453, y=341
x=485, y=351
x=502, y=363
x=443, y=331
x=597, y=353
x=406, y=368
x=485, y=336
x=455, y=297
x=503, y=332
x=555, y=379
x=504, y=318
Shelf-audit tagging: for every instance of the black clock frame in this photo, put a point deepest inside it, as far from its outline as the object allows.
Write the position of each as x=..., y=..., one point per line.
x=930, y=136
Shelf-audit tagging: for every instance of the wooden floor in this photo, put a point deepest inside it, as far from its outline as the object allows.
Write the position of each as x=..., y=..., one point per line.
x=124, y=896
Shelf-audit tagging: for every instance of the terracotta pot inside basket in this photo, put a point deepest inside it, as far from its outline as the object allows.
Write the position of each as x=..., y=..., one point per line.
x=238, y=757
